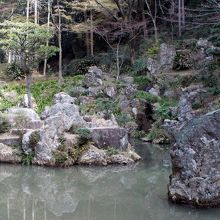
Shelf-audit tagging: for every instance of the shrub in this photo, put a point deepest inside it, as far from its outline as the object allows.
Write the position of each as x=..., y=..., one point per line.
x=123, y=119
x=27, y=159
x=108, y=107
x=142, y=82
x=84, y=136
x=140, y=66
x=157, y=132
x=80, y=66
x=182, y=61
x=146, y=96
x=153, y=51
x=4, y=125
x=112, y=151
x=15, y=72
x=60, y=157
x=34, y=139
x=163, y=110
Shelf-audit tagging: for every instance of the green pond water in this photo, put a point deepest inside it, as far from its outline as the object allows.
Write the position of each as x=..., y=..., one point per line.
x=137, y=192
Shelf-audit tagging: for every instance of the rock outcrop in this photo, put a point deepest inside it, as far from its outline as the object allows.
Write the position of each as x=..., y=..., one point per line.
x=62, y=137
x=195, y=177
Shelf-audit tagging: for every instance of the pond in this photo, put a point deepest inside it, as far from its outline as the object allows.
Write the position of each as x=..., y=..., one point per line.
x=137, y=192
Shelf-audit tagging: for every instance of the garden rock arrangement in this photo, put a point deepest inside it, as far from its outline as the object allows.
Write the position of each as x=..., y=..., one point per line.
x=62, y=137
x=195, y=177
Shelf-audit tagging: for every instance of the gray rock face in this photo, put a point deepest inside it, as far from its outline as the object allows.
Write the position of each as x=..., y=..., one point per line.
x=115, y=137
x=167, y=56
x=184, y=109
x=93, y=78
x=24, y=102
x=8, y=154
x=29, y=114
x=110, y=91
x=57, y=119
x=195, y=177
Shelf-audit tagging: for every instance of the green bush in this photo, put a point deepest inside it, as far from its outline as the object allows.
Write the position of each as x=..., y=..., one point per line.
x=108, y=107
x=4, y=125
x=112, y=151
x=79, y=66
x=34, y=139
x=123, y=119
x=15, y=72
x=163, y=110
x=182, y=61
x=140, y=66
x=84, y=136
x=27, y=159
x=146, y=96
x=142, y=82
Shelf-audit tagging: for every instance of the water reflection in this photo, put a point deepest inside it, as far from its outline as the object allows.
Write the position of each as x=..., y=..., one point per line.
x=136, y=192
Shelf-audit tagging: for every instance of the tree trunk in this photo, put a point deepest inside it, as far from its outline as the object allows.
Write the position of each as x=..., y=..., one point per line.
x=60, y=46
x=91, y=34
x=36, y=11
x=180, y=17
x=47, y=43
x=117, y=62
x=28, y=10
x=28, y=82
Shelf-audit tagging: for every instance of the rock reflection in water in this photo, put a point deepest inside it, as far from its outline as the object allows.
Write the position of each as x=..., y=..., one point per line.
x=136, y=192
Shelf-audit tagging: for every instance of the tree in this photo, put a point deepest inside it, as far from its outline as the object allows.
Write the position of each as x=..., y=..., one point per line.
x=27, y=41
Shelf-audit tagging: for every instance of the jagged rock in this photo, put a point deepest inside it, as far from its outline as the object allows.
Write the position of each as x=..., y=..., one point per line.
x=29, y=141
x=9, y=154
x=62, y=97
x=27, y=114
x=120, y=159
x=185, y=109
x=153, y=66
x=93, y=156
x=203, y=44
x=130, y=91
x=105, y=137
x=110, y=91
x=24, y=102
x=93, y=78
x=195, y=162
x=11, y=96
x=100, y=121
x=167, y=56
x=154, y=91
x=94, y=91
x=58, y=119
x=70, y=140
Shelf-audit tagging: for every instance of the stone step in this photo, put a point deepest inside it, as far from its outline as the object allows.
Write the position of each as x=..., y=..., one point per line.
x=10, y=140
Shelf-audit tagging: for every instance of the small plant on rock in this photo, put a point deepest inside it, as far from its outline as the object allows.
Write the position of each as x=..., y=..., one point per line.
x=4, y=125
x=112, y=151
x=84, y=136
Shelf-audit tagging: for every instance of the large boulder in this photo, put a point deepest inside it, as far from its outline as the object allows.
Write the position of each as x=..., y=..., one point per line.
x=167, y=56
x=24, y=118
x=195, y=177
x=9, y=154
x=93, y=78
x=105, y=137
x=24, y=102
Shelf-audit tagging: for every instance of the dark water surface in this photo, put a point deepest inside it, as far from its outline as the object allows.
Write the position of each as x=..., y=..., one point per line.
x=138, y=192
